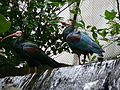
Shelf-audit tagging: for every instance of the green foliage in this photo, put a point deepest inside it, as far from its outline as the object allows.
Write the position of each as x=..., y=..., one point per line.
x=110, y=15
x=93, y=58
x=106, y=33
x=4, y=24
x=75, y=10
x=32, y=18
x=80, y=24
x=113, y=26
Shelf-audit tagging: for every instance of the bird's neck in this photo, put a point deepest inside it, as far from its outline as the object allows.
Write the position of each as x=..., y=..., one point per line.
x=20, y=39
x=17, y=43
x=68, y=30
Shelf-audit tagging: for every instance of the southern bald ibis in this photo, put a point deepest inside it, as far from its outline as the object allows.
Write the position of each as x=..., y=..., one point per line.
x=79, y=42
x=31, y=53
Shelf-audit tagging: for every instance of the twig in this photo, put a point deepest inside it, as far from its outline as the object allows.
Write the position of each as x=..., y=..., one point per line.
x=118, y=9
x=65, y=8
x=111, y=42
x=75, y=15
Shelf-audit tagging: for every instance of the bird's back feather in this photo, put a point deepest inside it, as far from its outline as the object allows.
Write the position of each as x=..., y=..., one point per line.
x=36, y=56
x=82, y=41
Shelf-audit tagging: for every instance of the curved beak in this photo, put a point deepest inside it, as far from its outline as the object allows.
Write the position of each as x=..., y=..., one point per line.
x=8, y=36
x=67, y=22
x=64, y=22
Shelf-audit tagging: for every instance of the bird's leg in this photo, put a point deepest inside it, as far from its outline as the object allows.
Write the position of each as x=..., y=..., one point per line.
x=88, y=57
x=29, y=70
x=36, y=69
x=79, y=59
x=84, y=59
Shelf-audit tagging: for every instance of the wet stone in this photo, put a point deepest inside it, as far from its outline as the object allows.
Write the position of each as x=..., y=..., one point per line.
x=93, y=76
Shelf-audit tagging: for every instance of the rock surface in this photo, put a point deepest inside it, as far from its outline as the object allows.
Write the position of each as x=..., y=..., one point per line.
x=93, y=76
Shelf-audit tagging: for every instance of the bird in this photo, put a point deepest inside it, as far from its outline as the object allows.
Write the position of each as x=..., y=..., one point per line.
x=31, y=53
x=79, y=42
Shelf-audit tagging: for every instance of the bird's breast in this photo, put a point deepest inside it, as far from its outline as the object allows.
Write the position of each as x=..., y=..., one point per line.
x=73, y=38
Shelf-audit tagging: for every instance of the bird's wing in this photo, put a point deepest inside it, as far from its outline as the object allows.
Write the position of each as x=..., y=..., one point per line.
x=90, y=41
x=38, y=55
x=73, y=37
x=31, y=53
x=82, y=41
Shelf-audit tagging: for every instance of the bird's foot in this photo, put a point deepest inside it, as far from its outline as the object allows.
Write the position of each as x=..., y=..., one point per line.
x=80, y=64
x=29, y=71
x=84, y=61
x=36, y=69
x=100, y=59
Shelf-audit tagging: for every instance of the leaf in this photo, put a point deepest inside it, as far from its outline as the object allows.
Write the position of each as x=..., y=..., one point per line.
x=78, y=25
x=94, y=35
x=76, y=11
x=104, y=33
x=104, y=39
x=97, y=41
x=110, y=15
x=88, y=26
x=93, y=29
x=73, y=11
x=93, y=58
x=83, y=23
x=4, y=24
x=78, y=0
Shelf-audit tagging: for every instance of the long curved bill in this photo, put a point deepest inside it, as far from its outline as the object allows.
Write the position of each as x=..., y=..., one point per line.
x=8, y=36
x=58, y=21
x=64, y=22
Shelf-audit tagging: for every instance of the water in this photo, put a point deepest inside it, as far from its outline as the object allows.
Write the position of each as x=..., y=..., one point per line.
x=92, y=76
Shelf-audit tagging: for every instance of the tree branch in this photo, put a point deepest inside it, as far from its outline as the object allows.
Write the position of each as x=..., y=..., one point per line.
x=75, y=15
x=65, y=8
x=118, y=9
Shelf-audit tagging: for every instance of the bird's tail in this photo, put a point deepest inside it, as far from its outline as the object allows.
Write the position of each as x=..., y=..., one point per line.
x=102, y=51
x=101, y=56
x=64, y=65
x=55, y=64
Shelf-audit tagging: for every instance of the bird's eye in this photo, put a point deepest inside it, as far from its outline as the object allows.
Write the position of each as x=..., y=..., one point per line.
x=18, y=34
x=62, y=27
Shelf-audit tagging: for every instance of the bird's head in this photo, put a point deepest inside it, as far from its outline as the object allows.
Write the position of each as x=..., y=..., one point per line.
x=17, y=34
x=69, y=27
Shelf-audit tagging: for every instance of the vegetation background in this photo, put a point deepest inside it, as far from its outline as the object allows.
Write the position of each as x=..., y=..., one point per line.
x=32, y=17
